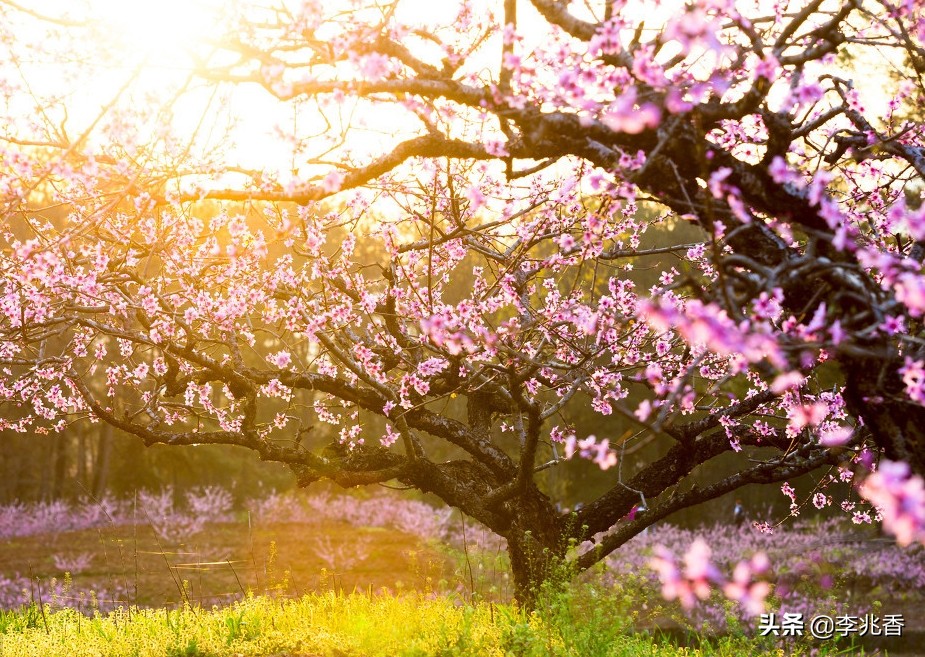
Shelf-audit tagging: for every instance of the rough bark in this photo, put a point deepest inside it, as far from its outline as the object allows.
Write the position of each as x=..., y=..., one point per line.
x=537, y=547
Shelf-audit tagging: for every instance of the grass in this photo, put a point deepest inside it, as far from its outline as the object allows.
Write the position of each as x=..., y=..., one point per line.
x=575, y=619
x=404, y=597
x=337, y=625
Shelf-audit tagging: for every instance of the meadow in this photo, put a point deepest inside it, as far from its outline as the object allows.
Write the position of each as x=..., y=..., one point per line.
x=326, y=574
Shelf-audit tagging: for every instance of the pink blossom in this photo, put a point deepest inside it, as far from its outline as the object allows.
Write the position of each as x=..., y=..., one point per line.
x=781, y=173
x=645, y=409
x=333, y=182
x=694, y=27
x=893, y=324
x=674, y=585
x=700, y=575
x=787, y=381
x=476, y=197
x=606, y=41
x=626, y=115
x=836, y=332
x=698, y=569
x=497, y=148
x=836, y=436
x=749, y=594
x=804, y=415
x=280, y=359
x=390, y=437
x=675, y=102
x=375, y=66
x=589, y=448
x=709, y=325
x=913, y=374
x=768, y=306
x=900, y=499
x=910, y=290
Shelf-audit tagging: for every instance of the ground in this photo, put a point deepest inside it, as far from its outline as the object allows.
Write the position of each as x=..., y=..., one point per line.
x=226, y=561
x=328, y=546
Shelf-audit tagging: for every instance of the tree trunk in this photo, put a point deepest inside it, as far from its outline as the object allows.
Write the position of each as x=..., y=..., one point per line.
x=875, y=392
x=532, y=565
x=80, y=457
x=537, y=548
x=101, y=468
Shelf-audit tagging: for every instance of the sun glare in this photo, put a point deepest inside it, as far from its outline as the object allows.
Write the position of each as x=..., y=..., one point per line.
x=161, y=32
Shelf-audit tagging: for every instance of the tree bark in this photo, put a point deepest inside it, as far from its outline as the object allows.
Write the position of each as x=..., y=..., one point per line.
x=874, y=392
x=532, y=564
x=101, y=468
x=536, y=547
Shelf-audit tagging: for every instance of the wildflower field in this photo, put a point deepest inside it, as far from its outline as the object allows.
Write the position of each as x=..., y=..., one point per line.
x=169, y=574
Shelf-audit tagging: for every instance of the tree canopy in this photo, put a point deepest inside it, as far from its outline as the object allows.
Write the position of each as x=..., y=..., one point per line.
x=431, y=244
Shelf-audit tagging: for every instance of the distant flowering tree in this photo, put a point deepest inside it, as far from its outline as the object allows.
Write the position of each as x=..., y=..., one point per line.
x=449, y=244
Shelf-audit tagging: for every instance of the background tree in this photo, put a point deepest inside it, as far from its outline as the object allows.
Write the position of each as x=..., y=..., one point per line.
x=440, y=266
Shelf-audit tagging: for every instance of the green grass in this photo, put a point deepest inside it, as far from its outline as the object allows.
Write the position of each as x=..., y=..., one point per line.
x=445, y=602
x=365, y=626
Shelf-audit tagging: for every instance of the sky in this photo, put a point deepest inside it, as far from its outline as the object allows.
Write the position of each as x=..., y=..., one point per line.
x=153, y=48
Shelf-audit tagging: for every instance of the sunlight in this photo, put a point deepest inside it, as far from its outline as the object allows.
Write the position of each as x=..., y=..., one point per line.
x=158, y=32
x=162, y=44
x=167, y=40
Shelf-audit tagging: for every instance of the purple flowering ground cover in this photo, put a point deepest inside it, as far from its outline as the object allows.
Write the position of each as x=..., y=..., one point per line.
x=163, y=549
x=825, y=567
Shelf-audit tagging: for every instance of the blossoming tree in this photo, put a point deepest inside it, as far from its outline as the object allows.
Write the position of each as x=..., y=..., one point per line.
x=450, y=249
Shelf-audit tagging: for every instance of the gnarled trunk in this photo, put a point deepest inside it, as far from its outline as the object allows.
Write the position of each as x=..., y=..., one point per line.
x=875, y=393
x=537, y=547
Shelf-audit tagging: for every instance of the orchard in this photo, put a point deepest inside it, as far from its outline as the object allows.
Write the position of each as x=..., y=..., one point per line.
x=416, y=230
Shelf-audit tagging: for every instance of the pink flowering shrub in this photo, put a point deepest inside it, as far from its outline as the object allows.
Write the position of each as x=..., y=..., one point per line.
x=899, y=498
x=213, y=503
x=177, y=523
x=699, y=575
x=21, y=519
x=73, y=563
x=169, y=523
x=14, y=591
x=341, y=556
x=279, y=508
x=169, y=520
x=802, y=567
x=410, y=516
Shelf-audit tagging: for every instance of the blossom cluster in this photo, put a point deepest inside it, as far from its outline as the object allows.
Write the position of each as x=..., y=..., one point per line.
x=899, y=498
x=696, y=579
x=813, y=566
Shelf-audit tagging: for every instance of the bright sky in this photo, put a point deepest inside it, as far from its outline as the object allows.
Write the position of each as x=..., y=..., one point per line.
x=163, y=37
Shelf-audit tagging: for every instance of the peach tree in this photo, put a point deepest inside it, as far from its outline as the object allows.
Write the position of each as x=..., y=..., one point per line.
x=418, y=224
